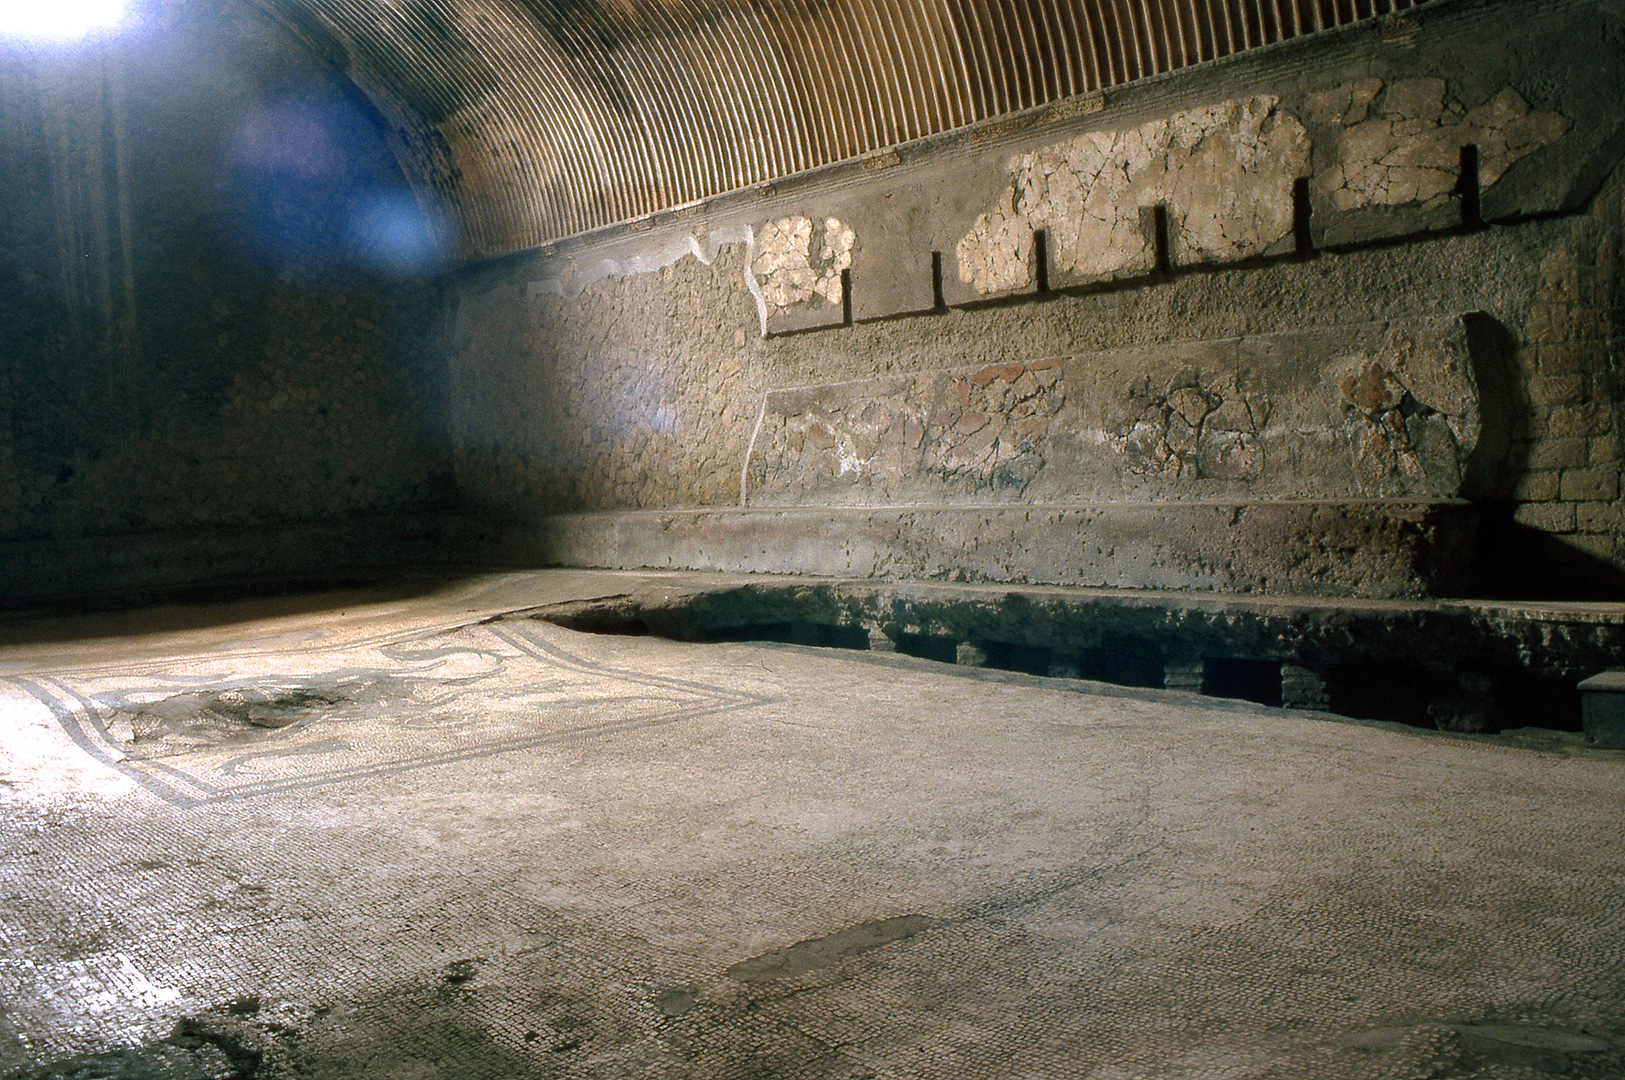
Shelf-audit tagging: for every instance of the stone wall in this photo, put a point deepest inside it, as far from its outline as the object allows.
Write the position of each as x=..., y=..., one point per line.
x=1561, y=488
x=1371, y=275
x=196, y=338
x=1180, y=392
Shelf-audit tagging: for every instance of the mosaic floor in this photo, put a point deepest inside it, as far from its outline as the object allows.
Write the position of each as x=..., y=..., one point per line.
x=396, y=836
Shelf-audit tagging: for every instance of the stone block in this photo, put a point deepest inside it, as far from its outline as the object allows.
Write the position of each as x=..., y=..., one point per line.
x=1589, y=485
x=969, y=654
x=1602, y=709
x=1557, y=453
x=1533, y=487
x=1365, y=548
x=1559, y=278
x=1592, y=419
x=1558, y=389
x=1304, y=688
x=1553, y=517
x=1589, y=545
x=1548, y=324
x=1599, y=517
x=1569, y=358
x=1184, y=675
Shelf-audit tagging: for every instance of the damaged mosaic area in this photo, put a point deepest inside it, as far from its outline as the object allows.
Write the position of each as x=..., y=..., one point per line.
x=1183, y=427
x=1403, y=143
x=1224, y=172
x=798, y=259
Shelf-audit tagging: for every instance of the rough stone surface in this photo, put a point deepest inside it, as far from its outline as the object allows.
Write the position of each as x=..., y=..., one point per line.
x=589, y=402
x=1602, y=701
x=190, y=338
x=1303, y=688
x=1185, y=675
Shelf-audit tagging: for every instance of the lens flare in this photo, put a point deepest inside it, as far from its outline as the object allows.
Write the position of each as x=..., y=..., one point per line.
x=310, y=186
x=391, y=232
x=61, y=21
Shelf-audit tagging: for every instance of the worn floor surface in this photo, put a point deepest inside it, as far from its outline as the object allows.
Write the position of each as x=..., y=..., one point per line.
x=376, y=835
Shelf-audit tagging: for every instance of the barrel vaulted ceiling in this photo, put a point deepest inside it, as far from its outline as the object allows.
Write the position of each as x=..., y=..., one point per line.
x=540, y=119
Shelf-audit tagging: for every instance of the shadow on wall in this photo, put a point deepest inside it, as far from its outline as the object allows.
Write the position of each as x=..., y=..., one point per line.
x=1516, y=560
x=1519, y=562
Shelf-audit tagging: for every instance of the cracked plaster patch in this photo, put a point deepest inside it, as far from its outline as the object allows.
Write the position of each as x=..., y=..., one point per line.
x=1411, y=150
x=1372, y=410
x=995, y=255
x=1414, y=408
x=798, y=259
x=1192, y=428
x=1225, y=172
x=980, y=430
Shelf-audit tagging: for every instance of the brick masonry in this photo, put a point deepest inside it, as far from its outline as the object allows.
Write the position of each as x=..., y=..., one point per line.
x=1568, y=363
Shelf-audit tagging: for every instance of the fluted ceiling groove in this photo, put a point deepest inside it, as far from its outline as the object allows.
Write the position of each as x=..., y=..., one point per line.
x=541, y=119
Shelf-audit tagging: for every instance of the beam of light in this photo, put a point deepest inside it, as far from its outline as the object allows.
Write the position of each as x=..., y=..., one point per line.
x=60, y=21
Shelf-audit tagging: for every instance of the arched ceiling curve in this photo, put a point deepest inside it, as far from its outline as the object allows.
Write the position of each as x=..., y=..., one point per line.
x=539, y=119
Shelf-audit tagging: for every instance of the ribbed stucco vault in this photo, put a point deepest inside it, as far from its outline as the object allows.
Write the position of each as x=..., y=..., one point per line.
x=534, y=120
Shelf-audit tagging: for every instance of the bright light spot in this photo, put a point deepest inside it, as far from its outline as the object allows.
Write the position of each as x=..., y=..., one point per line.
x=390, y=231
x=59, y=20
